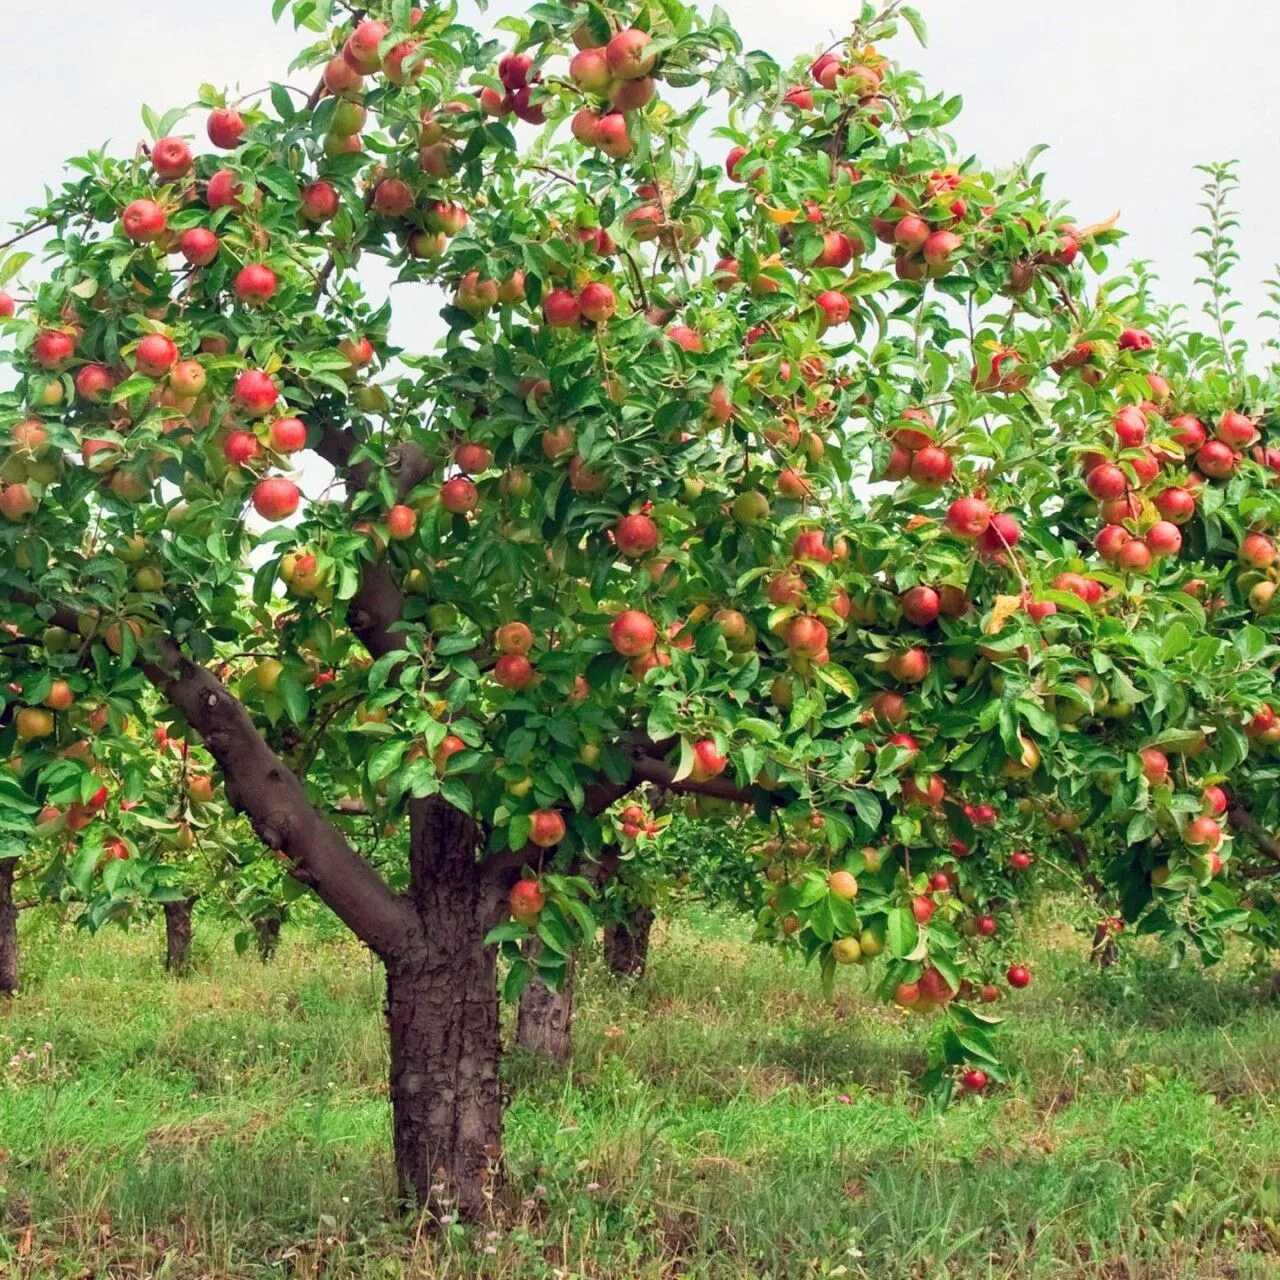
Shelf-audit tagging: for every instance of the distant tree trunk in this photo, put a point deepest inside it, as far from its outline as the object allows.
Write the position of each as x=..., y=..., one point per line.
x=626, y=945
x=8, y=929
x=1104, y=946
x=544, y=1020
x=267, y=930
x=177, y=935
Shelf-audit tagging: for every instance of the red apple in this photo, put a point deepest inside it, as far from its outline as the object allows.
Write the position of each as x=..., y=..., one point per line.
x=1237, y=430
x=1176, y=504
x=156, y=355
x=708, y=763
x=805, y=636
x=546, y=829
x=1163, y=539
x=597, y=302
x=170, y=158
x=626, y=54
x=526, y=900
x=968, y=518
x=513, y=637
x=1257, y=551
x=921, y=605
x=226, y=127
x=633, y=633
x=636, y=535
x=224, y=191
x=94, y=383
x=53, y=349
x=144, y=221
x=459, y=495
x=931, y=466
x=275, y=498
x=1216, y=459
x=560, y=309
x=198, y=245
x=288, y=435
x=254, y=392
x=255, y=285
x=320, y=201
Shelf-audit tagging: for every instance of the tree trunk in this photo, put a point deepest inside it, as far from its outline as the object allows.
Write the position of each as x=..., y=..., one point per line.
x=626, y=945
x=177, y=935
x=8, y=929
x=442, y=1015
x=544, y=1021
x=267, y=930
x=1104, y=950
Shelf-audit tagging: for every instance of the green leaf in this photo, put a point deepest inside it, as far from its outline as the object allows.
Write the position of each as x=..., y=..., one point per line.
x=295, y=699
x=518, y=977
x=916, y=23
x=901, y=932
x=384, y=759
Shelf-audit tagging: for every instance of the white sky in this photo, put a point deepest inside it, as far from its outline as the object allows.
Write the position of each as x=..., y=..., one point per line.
x=1129, y=94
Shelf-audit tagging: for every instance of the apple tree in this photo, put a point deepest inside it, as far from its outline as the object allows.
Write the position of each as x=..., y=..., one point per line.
x=773, y=480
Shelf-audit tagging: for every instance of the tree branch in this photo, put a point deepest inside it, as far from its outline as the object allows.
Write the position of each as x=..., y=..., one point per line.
x=1243, y=820
x=648, y=765
x=378, y=603
x=262, y=787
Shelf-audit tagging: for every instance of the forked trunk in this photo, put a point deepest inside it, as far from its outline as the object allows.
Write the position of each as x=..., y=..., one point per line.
x=8, y=929
x=442, y=1015
x=267, y=931
x=544, y=1020
x=177, y=935
x=626, y=944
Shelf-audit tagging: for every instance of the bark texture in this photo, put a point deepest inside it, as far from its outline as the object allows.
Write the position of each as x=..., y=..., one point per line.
x=544, y=1019
x=177, y=935
x=442, y=1016
x=626, y=945
x=8, y=929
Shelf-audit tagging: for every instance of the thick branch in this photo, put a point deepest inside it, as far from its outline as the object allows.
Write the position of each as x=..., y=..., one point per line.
x=648, y=765
x=1243, y=820
x=378, y=604
x=260, y=785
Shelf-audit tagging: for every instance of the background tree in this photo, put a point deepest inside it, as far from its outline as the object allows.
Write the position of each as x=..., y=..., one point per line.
x=616, y=529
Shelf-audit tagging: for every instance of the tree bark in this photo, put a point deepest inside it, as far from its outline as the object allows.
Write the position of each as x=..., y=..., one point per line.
x=267, y=931
x=8, y=929
x=442, y=1015
x=544, y=1019
x=177, y=935
x=626, y=945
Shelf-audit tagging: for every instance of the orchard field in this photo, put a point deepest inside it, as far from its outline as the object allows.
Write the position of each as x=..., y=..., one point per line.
x=720, y=1118
x=496, y=495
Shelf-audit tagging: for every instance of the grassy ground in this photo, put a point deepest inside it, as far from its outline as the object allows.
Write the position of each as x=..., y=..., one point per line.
x=720, y=1120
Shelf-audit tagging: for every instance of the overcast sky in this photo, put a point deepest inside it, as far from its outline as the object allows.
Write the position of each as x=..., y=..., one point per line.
x=1129, y=94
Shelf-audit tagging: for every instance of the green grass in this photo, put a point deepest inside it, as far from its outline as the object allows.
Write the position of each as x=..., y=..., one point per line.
x=721, y=1119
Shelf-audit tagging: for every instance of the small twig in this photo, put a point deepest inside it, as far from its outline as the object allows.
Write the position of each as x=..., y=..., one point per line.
x=293, y=88
x=32, y=230
x=666, y=219
x=313, y=99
